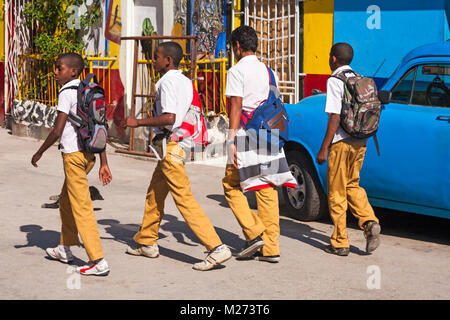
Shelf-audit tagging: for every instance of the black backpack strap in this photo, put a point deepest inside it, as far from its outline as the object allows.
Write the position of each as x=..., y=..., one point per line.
x=376, y=144
x=89, y=77
x=71, y=88
x=341, y=75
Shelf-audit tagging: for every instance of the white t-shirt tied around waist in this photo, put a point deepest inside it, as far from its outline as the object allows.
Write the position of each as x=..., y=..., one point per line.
x=67, y=102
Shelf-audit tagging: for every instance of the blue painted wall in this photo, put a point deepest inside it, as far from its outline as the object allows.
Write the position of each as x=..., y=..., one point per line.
x=381, y=38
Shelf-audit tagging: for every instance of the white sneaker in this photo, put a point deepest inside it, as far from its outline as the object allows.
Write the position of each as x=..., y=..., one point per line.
x=60, y=253
x=100, y=268
x=219, y=255
x=142, y=250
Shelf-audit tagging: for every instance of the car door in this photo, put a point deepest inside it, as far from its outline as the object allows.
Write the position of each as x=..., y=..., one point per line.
x=414, y=140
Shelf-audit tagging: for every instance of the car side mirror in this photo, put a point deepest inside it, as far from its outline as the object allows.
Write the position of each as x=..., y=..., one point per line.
x=316, y=91
x=384, y=96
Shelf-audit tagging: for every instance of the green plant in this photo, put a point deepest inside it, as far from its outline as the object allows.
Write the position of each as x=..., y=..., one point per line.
x=57, y=27
x=148, y=30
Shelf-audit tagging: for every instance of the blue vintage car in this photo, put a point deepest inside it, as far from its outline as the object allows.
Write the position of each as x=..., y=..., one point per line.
x=412, y=172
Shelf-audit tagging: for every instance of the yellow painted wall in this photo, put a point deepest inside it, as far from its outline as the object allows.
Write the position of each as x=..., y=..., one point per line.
x=318, y=35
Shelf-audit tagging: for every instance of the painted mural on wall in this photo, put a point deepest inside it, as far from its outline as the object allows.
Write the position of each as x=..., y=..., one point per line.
x=208, y=22
x=113, y=28
x=28, y=112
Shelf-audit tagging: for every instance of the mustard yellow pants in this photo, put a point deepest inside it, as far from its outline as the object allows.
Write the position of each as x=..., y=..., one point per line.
x=170, y=176
x=345, y=161
x=267, y=221
x=75, y=205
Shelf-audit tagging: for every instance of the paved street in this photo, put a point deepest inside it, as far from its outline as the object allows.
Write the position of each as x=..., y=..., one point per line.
x=411, y=263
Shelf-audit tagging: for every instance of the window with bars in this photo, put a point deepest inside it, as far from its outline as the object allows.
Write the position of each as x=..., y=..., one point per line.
x=277, y=23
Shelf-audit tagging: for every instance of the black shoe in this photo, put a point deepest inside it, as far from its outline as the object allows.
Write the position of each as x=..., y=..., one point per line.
x=272, y=259
x=250, y=248
x=372, y=233
x=337, y=251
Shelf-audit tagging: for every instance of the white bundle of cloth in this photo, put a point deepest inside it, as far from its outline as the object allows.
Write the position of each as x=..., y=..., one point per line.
x=260, y=167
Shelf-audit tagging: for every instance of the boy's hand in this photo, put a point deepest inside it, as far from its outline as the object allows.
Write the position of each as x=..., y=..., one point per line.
x=232, y=154
x=130, y=122
x=36, y=158
x=322, y=156
x=104, y=174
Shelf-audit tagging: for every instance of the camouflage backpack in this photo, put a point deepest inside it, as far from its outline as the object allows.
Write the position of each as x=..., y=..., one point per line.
x=361, y=109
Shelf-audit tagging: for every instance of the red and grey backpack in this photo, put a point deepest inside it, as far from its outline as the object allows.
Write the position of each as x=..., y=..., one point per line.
x=90, y=118
x=193, y=132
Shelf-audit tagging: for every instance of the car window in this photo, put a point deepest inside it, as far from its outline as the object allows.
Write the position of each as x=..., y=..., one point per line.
x=432, y=85
x=403, y=89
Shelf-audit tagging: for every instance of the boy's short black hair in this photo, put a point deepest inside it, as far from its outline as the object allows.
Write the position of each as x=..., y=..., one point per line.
x=343, y=52
x=73, y=60
x=172, y=49
x=246, y=35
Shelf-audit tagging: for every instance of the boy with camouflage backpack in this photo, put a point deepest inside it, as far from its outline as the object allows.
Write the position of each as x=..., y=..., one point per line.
x=353, y=116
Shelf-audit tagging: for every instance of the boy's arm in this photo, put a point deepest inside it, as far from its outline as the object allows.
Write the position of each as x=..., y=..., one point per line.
x=104, y=173
x=54, y=135
x=235, y=118
x=165, y=119
x=332, y=126
x=335, y=91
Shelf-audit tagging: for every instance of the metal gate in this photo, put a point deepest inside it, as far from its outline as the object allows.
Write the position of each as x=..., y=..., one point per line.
x=17, y=42
x=277, y=23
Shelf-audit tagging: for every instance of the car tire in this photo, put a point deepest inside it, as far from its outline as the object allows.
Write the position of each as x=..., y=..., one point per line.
x=307, y=202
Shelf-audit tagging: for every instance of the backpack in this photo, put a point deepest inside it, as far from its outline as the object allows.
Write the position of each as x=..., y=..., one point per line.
x=361, y=109
x=192, y=133
x=90, y=118
x=270, y=116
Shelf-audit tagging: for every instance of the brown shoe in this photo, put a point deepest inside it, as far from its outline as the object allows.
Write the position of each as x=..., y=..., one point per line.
x=372, y=234
x=343, y=252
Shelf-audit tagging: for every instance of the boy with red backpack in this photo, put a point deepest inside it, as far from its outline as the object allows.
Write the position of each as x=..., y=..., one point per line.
x=75, y=204
x=173, y=110
x=350, y=122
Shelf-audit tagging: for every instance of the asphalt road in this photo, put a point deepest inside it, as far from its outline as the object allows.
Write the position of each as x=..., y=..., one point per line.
x=412, y=261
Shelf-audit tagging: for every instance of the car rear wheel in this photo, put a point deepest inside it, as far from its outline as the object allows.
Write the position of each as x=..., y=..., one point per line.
x=307, y=202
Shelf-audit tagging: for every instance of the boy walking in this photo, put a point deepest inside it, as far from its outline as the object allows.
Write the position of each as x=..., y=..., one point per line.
x=174, y=94
x=248, y=86
x=75, y=204
x=345, y=160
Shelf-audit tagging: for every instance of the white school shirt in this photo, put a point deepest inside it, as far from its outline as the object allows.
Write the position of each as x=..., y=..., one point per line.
x=174, y=93
x=249, y=79
x=67, y=101
x=335, y=94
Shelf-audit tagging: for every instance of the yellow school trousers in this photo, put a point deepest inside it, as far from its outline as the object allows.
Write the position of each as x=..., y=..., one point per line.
x=345, y=161
x=267, y=221
x=170, y=176
x=75, y=205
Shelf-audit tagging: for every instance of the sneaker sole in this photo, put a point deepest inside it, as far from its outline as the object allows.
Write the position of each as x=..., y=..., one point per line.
x=373, y=241
x=138, y=253
x=212, y=265
x=330, y=251
x=100, y=274
x=266, y=259
x=57, y=259
x=248, y=252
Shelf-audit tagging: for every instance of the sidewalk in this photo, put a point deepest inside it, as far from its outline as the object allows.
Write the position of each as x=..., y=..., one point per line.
x=411, y=269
